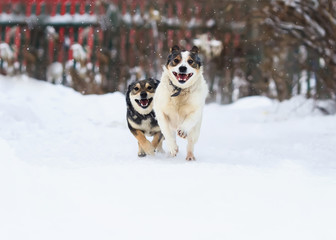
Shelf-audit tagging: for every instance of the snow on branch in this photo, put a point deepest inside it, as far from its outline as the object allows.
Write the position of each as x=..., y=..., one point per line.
x=310, y=22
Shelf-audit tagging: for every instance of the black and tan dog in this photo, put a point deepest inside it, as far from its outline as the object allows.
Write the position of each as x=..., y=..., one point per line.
x=141, y=117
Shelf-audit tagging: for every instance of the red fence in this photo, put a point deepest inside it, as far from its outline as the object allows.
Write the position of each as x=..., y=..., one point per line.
x=99, y=45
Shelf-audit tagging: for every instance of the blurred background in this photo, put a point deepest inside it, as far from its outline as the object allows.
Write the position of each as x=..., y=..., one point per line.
x=278, y=49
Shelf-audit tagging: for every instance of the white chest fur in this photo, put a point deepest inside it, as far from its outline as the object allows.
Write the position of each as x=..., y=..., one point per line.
x=145, y=126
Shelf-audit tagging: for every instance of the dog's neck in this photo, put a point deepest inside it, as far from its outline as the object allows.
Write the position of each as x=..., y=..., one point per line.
x=139, y=114
x=176, y=89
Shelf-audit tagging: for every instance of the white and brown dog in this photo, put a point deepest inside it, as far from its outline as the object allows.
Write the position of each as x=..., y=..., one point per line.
x=180, y=98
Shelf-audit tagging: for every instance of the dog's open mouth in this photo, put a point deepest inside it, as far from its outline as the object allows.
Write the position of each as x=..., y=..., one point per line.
x=182, y=77
x=144, y=103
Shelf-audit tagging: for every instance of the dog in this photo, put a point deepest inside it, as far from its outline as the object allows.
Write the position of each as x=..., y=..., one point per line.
x=141, y=118
x=180, y=98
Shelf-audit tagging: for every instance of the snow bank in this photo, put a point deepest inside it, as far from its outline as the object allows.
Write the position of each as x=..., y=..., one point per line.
x=69, y=170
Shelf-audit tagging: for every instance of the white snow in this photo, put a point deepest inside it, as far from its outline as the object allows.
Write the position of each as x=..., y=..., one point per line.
x=211, y=47
x=79, y=52
x=69, y=170
x=66, y=18
x=6, y=52
x=55, y=73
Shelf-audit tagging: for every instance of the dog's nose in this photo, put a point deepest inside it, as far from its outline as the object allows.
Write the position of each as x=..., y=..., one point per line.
x=182, y=69
x=143, y=95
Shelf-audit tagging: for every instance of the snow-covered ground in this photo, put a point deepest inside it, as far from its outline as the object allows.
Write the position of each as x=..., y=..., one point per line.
x=69, y=170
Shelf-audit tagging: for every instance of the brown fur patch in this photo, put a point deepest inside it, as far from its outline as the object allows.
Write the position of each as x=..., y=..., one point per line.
x=144, y=144
x=143, y=86
x=192, y=61
x=157, y=139
x=176, y=60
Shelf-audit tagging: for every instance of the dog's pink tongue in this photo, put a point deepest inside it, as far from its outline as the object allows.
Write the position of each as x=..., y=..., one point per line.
x=183, y=77
x=144, y=102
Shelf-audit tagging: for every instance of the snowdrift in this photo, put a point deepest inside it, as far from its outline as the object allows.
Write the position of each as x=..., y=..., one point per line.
x=69, y=170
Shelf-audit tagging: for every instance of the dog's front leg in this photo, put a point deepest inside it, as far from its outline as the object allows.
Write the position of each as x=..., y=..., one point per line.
x=145, y=146
x=157, y=142
x=167, y=132
x=190, y=122
x=141, y=152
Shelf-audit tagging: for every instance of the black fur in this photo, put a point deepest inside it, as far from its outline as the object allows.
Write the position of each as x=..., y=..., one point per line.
x=196, y=58
x=175, y=52
x=172, y=56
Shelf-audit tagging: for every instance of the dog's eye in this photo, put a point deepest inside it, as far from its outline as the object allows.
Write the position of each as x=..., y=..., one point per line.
x=190, y=61
x=136, y=89
x=176, y=60
x=149, y=88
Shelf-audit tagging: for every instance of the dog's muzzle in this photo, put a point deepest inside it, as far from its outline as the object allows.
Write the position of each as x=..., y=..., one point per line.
x=144, y=103
x=182, y=77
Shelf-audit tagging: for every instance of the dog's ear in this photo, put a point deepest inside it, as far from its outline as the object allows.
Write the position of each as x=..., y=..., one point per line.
x=194, y=50
x=130, y=86
x=174, y=48
x=155, y=82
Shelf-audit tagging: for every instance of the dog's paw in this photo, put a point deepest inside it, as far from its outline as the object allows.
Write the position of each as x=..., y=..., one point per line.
x=190, y=156
x=182, y=133
x=141, y=154
x=173, y=150
x=149, y=149
x=160, y=150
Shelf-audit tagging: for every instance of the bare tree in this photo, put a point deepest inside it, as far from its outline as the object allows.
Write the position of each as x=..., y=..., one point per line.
x=311, y=23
